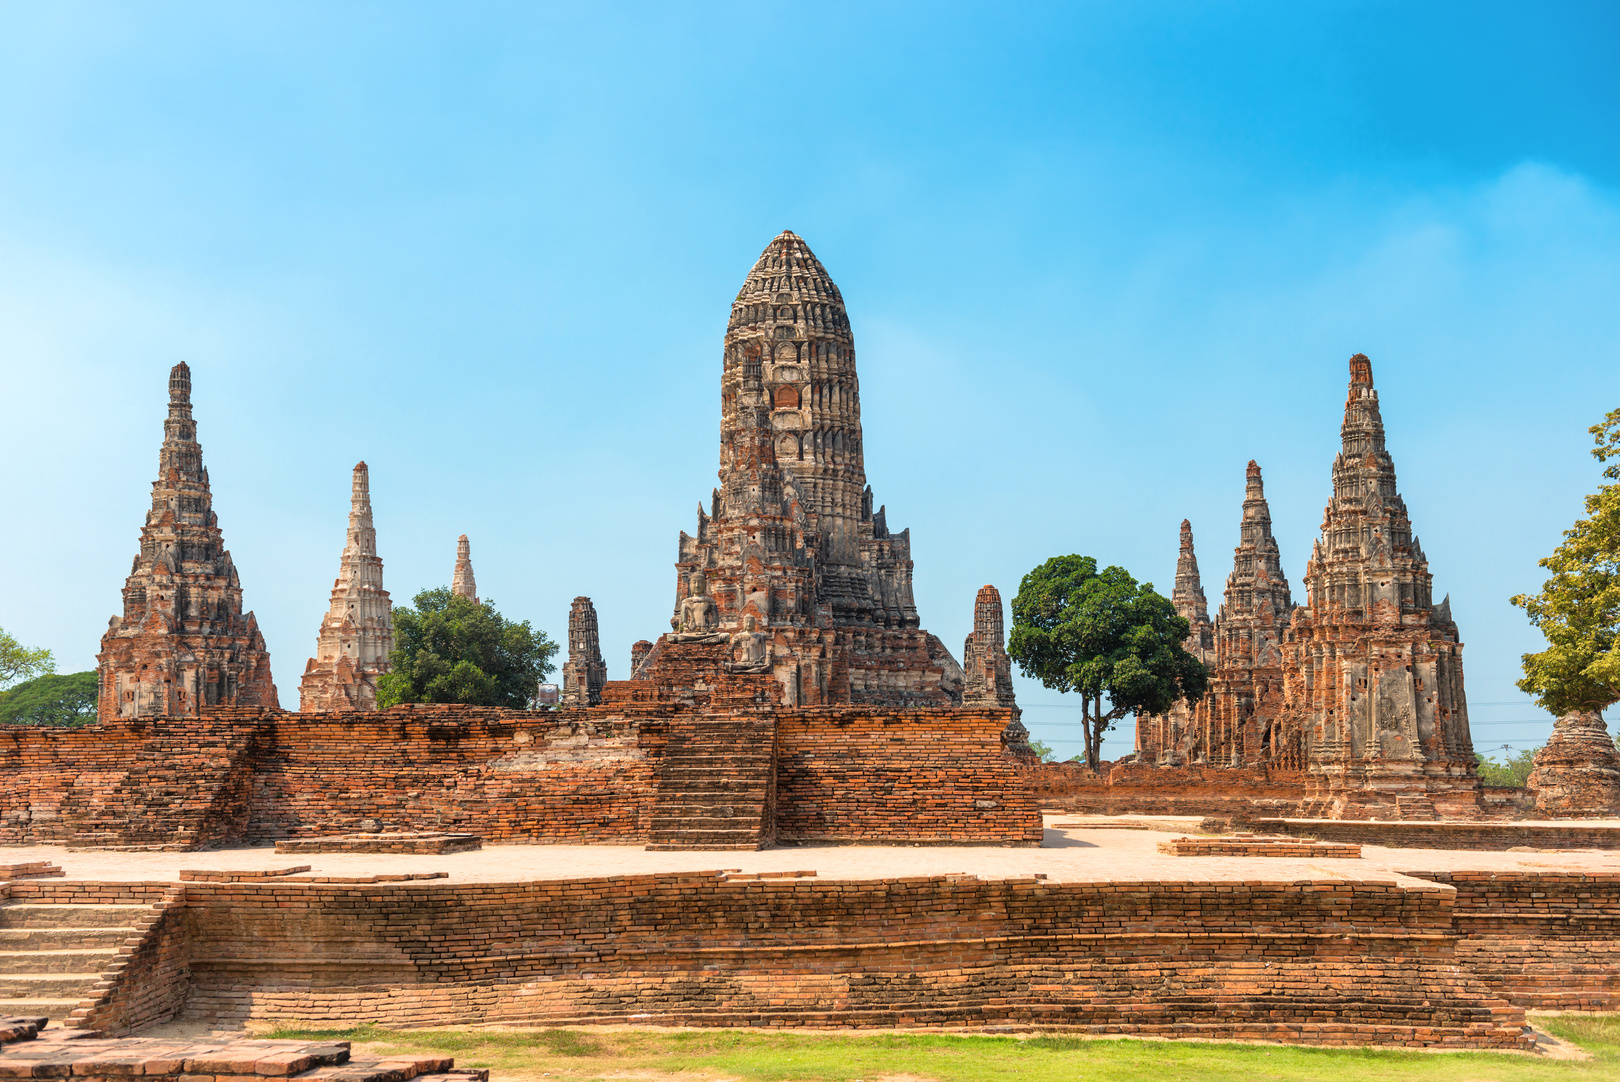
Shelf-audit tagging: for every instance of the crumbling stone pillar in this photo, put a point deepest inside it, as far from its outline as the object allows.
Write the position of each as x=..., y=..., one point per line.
x=1577, y=774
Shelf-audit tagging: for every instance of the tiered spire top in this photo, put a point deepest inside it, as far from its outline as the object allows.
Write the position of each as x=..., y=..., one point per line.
x=1257, y=584
x=1188, y=595
x=463, y=585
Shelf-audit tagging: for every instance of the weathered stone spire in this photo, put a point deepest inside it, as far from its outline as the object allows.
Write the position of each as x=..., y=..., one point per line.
x=1188, y=594
x=463, y=584
x=183, y=643
x=988, y=670
x=1257, y=595
x=357, y=633
x=584, y=672
x=1375, y=674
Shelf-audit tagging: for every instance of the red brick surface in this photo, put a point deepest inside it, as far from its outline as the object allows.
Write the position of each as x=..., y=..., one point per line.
x=565, y=776
x=1313, y=961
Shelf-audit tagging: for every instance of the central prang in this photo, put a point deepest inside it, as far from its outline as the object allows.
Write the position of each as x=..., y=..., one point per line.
x=791, y=572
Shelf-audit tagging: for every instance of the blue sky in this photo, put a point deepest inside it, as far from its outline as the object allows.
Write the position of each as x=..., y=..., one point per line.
x=1097, y=256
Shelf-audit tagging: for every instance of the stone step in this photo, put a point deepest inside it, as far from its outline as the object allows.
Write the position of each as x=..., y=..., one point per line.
x=673, y=813
x=60, y=939
x=55, y=1009
x=71, y=915
x=56, y=961
x=46, y=985
x=691, y=794
x=705, y=839
x=672, y=847
x=671, y=827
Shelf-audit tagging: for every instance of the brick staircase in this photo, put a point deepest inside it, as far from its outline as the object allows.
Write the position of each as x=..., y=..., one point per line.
x=52, y=954
x=716, y=785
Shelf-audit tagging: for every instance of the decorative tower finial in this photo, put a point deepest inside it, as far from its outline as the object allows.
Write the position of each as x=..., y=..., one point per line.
x=463, y=585
x=357, y=633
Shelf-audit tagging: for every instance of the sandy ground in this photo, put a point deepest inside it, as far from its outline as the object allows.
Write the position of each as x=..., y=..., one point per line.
x=1068, y=854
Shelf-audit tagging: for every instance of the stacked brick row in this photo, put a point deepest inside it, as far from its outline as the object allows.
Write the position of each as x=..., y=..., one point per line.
x=1257, y=847
x=1322, y=962
x=564, y=776
x=1497, y=837
x=927, y=776
x=1543, y=940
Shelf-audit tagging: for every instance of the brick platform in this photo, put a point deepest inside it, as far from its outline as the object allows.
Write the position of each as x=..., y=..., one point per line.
x=1250, y=846
x=594, y=775
x=1316, y=961
x=1450, y=835
x=30, y=1053
x=417, y=844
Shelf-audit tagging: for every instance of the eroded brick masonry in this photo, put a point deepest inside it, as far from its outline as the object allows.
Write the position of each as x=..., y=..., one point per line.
x=182, y=644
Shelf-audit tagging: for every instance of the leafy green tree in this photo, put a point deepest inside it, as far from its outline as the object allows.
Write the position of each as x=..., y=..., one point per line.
x=1042, y=750
x=1578, y=608
x=453, y=650
x=1103, y=635
x=51, y=699
x=18, y=662
x=1513, y=769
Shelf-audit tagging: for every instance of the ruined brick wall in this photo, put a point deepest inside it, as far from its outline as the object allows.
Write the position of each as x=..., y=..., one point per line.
x=1490, y=837
x=1546, y=940
x=1144, y=789
x=564, y=776
x=141, y=781
x=865, y=775
x=1327, y=962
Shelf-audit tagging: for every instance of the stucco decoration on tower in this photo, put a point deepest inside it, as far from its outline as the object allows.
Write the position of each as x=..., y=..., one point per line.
x=1374, y=666
x=791, y=538
x=182, y=643
x=357, y=633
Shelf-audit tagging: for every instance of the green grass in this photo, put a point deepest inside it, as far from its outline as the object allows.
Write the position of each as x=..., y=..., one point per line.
x=586, y=1052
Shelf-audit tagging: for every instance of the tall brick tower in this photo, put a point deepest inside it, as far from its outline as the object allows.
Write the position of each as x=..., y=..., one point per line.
x=462, y=583
x=1375, y=679
x=1168, y=739
x=356, y=635
x=1239, y=717
x=183, y=643
x=790, y=540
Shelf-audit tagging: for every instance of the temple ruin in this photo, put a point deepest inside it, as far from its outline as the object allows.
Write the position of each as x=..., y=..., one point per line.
x=1577, y=773
x=584, y=672
x=357, y=633
x=988, y=670
x=182, y=643
x=1362, y=686
x=792, y=574
x=462, y=583
x=1373, y=668
x=1168, y=739
x=1238, y=721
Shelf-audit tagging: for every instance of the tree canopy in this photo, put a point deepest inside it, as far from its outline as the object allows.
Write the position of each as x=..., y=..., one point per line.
x=1578, y=608
x=51, y=699
x=450, y=649
x=18, y=662
x=1102, y=634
